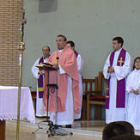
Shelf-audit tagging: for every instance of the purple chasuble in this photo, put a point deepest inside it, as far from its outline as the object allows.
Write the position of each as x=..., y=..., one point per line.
x=41, y=82
x=120, y=103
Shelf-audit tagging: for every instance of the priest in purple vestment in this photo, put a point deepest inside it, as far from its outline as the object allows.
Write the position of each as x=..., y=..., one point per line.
x=39, y=75
x=116, y=69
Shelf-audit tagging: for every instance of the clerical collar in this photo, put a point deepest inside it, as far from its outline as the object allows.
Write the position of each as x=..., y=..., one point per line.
x=60, y=50
x=118, y=50
x=46, y=57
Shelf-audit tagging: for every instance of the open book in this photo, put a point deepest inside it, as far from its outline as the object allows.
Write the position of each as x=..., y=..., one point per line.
x=45, y=66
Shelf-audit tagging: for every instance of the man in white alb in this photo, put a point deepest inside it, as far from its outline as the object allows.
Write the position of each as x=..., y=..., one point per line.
x=116, y=69
x=80, y=64
x=39, y=75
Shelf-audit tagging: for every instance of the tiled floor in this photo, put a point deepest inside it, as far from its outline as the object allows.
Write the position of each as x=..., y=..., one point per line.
x=89, y=130
x=26, y=134
x=89, y=125
x=83, y=125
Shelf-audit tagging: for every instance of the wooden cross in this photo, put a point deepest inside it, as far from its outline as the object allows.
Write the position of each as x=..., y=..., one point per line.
x=121, y=61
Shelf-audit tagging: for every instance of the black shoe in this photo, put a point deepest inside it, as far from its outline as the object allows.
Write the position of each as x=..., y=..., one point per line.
x=68, y=126
x=57, y=126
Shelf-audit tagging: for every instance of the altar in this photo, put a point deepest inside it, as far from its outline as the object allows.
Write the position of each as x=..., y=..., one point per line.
x=8, y=106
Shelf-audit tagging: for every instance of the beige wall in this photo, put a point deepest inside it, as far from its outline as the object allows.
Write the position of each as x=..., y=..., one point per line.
x=91, y=24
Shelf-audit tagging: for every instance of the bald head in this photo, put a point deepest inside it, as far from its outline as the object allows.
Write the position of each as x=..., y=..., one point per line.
x=46, y=51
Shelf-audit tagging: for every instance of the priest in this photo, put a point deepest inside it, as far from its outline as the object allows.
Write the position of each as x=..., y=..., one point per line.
x=68, y=101
x=116, y=69
x=80, y=63
x=39, y=75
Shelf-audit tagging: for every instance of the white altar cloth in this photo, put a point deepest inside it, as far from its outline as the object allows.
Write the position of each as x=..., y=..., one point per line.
x=8, y=103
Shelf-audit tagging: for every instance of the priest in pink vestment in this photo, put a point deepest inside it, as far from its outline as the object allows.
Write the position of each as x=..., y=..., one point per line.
x=68, y=85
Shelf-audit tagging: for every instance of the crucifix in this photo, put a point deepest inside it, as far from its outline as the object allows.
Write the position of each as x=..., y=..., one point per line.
x=121, y=61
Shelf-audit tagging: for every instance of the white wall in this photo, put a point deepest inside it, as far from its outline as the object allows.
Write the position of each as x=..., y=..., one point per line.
x=91, y=24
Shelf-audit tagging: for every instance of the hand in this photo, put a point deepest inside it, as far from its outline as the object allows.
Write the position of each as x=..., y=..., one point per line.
x=110, y=69
x=136, y=92
x=132, y=91
x=55, y=66
x=41, y=72
x=50, y=63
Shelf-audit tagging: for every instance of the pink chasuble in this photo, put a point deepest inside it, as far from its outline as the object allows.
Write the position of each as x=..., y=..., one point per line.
x=67, y=60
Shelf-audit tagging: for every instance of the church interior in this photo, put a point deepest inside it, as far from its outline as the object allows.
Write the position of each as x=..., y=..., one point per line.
x=26, y=26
